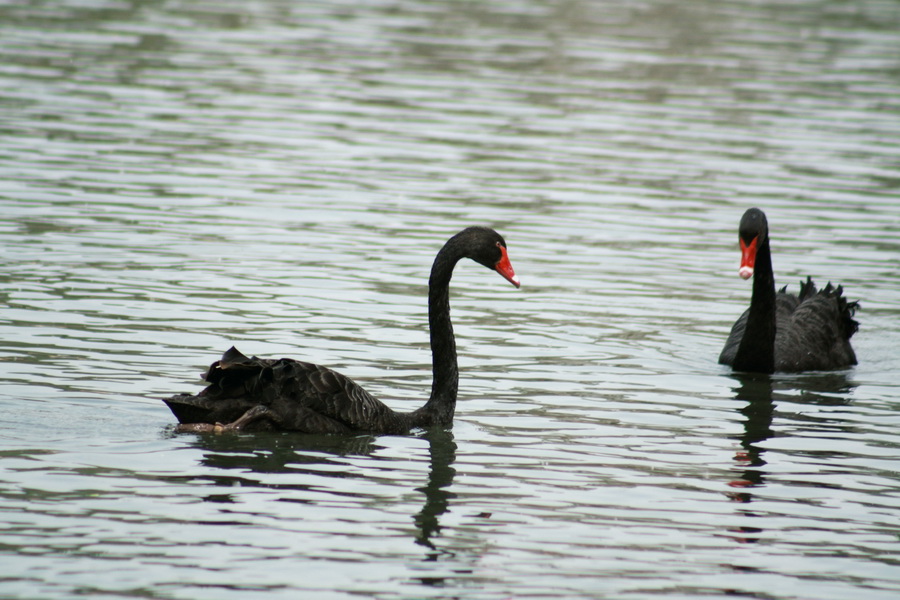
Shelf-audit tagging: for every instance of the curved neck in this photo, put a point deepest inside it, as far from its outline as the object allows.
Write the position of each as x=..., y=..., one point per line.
x=757, y=349
x=441, y=405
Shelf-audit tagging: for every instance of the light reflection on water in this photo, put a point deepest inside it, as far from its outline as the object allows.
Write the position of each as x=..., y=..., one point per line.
x=178, y=178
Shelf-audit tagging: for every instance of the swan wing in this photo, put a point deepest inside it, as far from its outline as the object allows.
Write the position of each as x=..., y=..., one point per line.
x=815, y=335
x=300, y=396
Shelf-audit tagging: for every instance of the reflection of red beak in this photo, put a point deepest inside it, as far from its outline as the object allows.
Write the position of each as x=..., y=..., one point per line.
x=748, y=258
x=504, y=268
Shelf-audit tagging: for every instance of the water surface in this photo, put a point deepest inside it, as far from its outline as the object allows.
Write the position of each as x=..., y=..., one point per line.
x=180, y=177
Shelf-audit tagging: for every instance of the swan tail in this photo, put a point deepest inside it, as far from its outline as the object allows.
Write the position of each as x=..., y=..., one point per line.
x=190, y=409
x=233, y=388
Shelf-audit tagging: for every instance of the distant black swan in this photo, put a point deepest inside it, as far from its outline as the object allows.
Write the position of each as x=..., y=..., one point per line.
x=284, y=394
x=783, y=332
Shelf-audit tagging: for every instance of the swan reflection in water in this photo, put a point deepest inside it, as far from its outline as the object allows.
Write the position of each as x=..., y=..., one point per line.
x=259, y=456
x=761, y=394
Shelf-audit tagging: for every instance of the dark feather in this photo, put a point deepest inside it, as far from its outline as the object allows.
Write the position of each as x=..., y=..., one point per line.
x=301, y=396
x=254, y=393
x=780, y=331
x=812, y=330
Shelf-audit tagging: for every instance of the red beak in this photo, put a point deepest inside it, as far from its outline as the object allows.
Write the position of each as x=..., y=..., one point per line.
x=505, y=268
x=748, y=258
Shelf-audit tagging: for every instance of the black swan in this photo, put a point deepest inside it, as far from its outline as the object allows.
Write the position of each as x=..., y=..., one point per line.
x=784, y=332
x=285, y=394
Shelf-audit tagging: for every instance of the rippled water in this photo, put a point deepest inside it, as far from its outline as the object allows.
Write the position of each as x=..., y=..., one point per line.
x=178, y=177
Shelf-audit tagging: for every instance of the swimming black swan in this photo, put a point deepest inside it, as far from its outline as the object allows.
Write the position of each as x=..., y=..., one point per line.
x=783, y=332
x=285, y=394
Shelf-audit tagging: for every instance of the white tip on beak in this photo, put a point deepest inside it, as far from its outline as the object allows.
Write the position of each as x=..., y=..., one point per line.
x=745, y=272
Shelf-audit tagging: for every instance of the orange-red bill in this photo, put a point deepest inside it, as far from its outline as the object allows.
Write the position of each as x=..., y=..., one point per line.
x=504, y=267
x=748, y=258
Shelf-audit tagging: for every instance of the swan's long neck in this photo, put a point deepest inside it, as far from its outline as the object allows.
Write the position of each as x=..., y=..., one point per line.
x=441, y=405
x=757, y=349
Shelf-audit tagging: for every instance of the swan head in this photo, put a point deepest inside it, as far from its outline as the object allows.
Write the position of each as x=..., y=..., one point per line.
x=487, y=247
x=752, y=233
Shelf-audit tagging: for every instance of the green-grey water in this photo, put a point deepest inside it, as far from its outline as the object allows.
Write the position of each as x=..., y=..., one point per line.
x=178, y=177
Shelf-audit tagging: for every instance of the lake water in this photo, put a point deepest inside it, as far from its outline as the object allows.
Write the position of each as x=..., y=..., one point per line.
x=178, y=177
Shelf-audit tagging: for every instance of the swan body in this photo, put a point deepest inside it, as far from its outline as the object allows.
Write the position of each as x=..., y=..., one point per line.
x=781, y=331
x=285, y=394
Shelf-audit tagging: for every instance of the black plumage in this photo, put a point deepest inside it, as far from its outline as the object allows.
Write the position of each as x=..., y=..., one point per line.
x=781, y=331
x=286, y=394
